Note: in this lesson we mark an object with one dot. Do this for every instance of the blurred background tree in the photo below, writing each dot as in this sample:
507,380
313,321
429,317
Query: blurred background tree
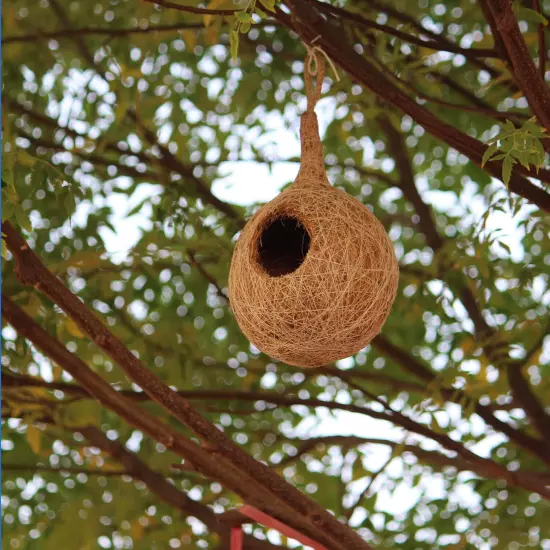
139,136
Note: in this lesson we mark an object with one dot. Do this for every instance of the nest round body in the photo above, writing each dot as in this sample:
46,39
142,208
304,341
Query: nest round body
313,276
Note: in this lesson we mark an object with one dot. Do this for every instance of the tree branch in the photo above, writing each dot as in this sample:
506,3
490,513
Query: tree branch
537,346
424,373
219,457
542,41
116,400
398,149
497,38
350,441
311,25
205,394
173,163
97,160
170,161
156,483
529,79
95,386
437,42
520,388
405,18
482,110
524,394
78,40
9,380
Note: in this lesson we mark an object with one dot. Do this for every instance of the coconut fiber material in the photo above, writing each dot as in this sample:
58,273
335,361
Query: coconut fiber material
313,275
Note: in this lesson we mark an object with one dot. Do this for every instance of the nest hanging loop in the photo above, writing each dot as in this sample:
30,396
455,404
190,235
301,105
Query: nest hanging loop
312,162
314,67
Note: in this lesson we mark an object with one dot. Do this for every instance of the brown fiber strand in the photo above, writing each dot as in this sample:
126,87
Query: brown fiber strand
338,299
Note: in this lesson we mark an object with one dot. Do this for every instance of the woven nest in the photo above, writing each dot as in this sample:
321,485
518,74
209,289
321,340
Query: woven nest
314,274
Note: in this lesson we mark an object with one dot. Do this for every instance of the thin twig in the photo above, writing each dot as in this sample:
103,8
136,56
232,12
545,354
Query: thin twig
38,468
206,275
174,164
436,43
79,41
487,111
365,492
116,32
192,9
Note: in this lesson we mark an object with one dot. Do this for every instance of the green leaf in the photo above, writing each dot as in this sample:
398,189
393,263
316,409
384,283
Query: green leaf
509,126
70,530
138,207
533,128
269,5
34,438
22,218
190,38
8,209
539,151
234,44
39,177
243,17
69,203
531,15
7,177
507,166
489,153
81,413
523,157
504,246
260,12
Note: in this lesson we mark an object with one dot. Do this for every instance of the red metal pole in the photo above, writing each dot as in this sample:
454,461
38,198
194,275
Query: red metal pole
236,538
267,521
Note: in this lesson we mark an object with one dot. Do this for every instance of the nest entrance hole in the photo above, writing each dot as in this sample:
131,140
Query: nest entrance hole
283,246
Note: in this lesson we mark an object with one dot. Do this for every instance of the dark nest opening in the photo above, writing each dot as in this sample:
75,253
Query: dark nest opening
283,246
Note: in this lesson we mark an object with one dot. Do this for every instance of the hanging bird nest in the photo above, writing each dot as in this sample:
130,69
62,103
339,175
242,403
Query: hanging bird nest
314,274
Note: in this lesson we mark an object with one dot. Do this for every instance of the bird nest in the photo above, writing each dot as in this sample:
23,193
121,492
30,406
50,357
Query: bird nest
313,275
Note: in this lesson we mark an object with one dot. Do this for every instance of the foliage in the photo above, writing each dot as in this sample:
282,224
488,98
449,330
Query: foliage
513,145
244,20
122,124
